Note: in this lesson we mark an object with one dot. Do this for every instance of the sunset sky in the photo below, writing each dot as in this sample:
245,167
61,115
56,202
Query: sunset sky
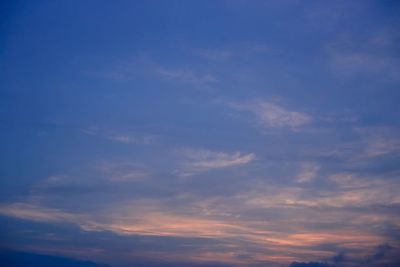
237,133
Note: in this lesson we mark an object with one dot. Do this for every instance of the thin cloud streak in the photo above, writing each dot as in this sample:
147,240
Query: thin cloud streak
215,55
187,76
203,160
272,115
120,137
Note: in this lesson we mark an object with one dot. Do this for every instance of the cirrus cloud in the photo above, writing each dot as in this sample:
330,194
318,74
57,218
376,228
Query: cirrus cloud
272,115
202,160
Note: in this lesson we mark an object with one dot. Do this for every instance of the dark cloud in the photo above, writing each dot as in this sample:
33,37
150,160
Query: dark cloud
309,264
27,259
380,252
339,258
384,255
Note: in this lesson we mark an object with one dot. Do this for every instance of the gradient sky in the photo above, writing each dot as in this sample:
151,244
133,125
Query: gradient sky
201,133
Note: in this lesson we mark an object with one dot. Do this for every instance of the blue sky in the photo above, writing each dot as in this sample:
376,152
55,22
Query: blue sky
201,133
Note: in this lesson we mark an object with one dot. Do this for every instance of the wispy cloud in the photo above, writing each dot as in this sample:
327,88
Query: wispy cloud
272,115
382,146
123,171
372,55
308,172
120,137
345,190
236,51
371,145
187,76
123,69
215,55
202,160
269,218
34,212
378,141
137,218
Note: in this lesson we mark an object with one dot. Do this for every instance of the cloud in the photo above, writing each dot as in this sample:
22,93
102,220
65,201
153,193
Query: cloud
21,259
371,145
127,138
134,218
237,51
374,55
166,224
187,76
308,171
274,222
258,48
272,115
380,253
377,142
381,146
203,160
345,190
123,171
339,258
264,240
215,55
124,69
309,264
34,212
143,65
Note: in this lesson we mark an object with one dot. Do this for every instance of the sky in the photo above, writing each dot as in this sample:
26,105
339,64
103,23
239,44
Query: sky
200,133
